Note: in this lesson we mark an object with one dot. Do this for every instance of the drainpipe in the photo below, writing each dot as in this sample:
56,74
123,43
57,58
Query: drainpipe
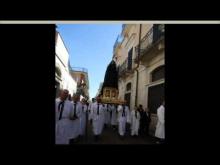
137,78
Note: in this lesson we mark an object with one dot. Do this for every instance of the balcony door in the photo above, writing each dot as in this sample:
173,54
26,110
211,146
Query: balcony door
155,97
130,59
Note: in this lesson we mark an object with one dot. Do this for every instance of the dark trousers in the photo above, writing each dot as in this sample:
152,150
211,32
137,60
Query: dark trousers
142,128
147,128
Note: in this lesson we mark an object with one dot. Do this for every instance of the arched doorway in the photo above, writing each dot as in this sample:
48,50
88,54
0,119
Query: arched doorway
156,92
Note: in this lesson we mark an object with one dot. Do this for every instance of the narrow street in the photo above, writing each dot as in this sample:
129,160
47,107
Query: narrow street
109,136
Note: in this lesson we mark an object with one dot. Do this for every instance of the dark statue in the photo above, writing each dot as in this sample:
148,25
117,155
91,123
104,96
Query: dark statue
111,76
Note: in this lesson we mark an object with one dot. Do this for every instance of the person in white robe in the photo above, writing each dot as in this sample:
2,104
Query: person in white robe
63,111
128,122
135,122
104,106
113,116
90,107
160,128
76,115
83,118
122,119
97,118
107,115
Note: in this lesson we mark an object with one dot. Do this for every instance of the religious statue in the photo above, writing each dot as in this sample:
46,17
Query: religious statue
109,92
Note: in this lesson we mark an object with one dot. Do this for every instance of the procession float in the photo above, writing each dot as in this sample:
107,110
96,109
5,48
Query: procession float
109,92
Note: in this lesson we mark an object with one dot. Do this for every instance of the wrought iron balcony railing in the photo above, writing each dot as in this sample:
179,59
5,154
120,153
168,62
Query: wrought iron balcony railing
125,68
149,40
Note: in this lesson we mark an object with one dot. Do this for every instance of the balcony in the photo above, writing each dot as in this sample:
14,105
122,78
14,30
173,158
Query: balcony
125,68
149,41
79,69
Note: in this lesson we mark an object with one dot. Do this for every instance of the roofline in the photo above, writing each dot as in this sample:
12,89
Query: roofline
58,34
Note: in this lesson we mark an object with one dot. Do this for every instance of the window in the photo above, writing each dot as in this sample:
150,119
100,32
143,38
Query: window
130,59
158,73
128,87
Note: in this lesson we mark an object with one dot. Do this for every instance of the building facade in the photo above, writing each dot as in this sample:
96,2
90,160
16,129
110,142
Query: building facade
80,75
139,52
63,78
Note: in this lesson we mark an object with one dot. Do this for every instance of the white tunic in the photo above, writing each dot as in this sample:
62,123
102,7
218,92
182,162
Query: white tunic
128,115
64,125
122,119
97,119
76,123
160,128
107,114
89,114
83,120
135,122
114,115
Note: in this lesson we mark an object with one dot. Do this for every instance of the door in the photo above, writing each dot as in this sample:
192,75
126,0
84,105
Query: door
127,98
155,97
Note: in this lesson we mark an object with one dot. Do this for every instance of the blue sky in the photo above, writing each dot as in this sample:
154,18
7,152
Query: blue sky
90,46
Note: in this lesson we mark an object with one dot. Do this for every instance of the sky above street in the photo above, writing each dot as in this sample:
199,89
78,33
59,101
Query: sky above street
90,46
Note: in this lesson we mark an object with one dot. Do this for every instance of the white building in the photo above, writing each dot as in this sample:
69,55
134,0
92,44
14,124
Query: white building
139,52
64,79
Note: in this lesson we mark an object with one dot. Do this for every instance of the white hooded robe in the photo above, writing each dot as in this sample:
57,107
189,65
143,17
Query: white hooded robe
114,115
160,128
83,119
122,119
135,122
64,125
97,119
107,114
76,129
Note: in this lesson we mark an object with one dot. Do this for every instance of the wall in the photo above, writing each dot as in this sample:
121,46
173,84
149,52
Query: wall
61,59
131,40
62,52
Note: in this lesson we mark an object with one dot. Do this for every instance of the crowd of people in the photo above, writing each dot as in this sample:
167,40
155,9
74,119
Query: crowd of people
71,119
